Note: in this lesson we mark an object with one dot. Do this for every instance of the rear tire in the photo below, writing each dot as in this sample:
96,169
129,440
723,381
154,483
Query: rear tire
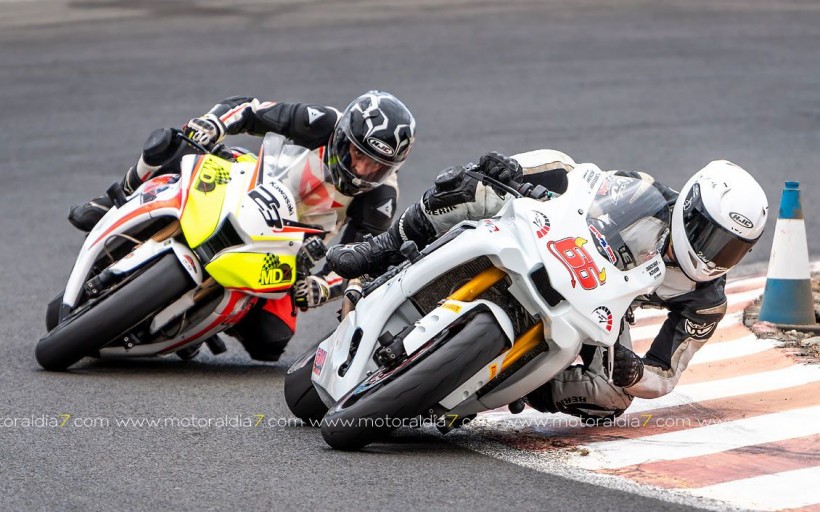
300,393
83,334
351,426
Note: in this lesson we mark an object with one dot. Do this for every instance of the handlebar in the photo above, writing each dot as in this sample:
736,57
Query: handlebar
513,187
220,150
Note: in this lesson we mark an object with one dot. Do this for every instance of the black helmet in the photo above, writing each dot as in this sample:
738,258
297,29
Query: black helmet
370,142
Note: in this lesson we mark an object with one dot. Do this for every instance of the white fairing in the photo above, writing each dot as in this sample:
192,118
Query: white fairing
525,236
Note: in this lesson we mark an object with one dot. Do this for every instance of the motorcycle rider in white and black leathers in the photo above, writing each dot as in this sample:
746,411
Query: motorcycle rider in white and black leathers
361,147
716,219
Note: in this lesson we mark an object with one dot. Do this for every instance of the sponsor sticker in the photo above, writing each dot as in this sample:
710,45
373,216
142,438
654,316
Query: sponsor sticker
741,219
542,224
211,173
455,308
591,176
699,331
654,270
489,225
274,272
604,188
493,370
610,254
319,361
380,146
603,316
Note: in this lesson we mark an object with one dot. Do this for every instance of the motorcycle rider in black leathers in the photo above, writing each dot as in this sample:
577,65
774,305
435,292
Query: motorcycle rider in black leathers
706,242
362,148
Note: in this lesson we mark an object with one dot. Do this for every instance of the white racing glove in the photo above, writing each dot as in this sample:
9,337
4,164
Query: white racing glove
207,130
311,292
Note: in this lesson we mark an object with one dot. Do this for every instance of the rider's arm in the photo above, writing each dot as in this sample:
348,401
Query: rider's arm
668,193
368,214
454,198
307,125
692,320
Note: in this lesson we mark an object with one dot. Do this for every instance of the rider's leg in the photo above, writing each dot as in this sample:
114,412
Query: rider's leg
584,390
266,329
160,154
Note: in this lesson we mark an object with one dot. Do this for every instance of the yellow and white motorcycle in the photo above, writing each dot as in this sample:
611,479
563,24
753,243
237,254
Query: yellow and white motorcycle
186,256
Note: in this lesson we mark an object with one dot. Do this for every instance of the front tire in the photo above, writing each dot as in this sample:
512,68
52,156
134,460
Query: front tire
300,393
353,422
85,332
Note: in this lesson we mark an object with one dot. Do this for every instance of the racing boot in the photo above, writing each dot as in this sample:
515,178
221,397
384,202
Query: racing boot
266,329
86,215
160,149
372,256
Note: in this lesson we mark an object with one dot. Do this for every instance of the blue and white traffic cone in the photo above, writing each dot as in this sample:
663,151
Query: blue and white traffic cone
787,299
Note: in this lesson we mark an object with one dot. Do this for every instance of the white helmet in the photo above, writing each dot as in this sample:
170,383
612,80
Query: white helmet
718,217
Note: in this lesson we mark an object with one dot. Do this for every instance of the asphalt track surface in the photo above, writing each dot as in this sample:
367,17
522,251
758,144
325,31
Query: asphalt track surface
657,86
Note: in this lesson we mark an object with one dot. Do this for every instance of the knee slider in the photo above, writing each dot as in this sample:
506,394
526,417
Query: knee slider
160,146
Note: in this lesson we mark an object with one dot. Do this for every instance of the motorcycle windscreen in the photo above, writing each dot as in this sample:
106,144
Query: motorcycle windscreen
629,221
306,177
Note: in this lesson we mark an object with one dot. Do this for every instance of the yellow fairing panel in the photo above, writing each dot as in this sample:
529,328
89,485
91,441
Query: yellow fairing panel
253,272
203,209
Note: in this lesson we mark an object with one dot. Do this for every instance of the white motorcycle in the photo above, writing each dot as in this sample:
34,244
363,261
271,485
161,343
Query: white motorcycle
489,312
186,256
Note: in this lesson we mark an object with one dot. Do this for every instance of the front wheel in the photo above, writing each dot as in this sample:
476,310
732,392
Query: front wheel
300,393
378,404
97,323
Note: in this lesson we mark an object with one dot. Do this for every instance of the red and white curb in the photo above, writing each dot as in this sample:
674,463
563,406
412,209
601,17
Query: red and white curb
742,428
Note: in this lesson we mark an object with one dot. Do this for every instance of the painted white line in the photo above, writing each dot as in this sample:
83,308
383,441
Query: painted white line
736,349
685,394
792,376
554,463
734,284
682,444
789,489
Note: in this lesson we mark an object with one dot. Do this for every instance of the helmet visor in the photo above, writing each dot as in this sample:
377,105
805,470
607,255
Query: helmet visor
716,246
365,170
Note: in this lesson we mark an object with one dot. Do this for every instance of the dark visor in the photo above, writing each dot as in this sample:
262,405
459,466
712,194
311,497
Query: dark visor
371,169
716,246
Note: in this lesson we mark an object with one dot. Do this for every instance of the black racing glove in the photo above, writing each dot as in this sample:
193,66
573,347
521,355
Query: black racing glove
501,168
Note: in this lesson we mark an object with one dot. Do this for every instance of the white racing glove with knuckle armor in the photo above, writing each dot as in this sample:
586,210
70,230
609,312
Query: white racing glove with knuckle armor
207,130
311,292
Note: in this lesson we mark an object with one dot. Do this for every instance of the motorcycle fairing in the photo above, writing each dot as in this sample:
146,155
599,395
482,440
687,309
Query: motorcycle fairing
203,208
516,240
